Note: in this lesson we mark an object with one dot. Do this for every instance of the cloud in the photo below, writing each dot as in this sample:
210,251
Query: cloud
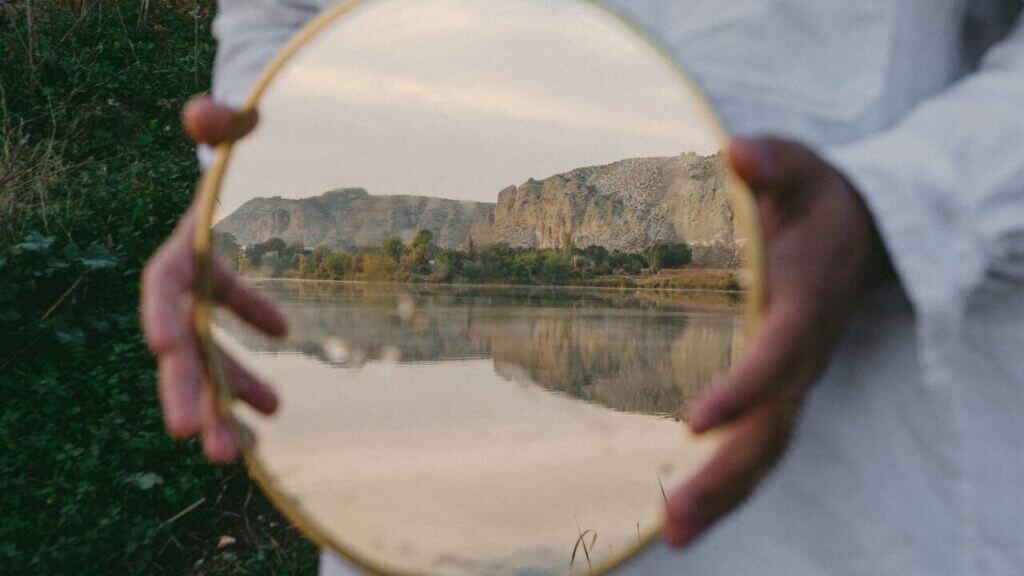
355,85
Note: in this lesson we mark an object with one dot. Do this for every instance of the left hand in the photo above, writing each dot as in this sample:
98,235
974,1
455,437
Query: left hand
166,306
821,250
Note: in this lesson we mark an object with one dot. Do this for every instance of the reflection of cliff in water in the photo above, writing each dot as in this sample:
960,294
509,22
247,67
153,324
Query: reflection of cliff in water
646,352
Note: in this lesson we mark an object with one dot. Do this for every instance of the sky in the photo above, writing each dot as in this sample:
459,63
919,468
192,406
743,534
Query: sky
461,98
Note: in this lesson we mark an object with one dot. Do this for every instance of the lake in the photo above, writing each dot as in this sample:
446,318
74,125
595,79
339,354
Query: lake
480,429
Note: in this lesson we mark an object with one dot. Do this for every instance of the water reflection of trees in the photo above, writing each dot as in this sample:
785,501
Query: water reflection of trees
646,352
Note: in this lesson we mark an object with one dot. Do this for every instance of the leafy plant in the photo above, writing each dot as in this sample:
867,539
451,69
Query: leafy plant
94,173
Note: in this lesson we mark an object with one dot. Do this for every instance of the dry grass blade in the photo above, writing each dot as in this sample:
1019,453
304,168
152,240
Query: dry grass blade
581,541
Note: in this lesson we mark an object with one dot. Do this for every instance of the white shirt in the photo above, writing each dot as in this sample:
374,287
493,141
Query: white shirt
908,457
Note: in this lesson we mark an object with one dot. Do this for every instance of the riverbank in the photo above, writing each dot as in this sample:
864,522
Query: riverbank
684,279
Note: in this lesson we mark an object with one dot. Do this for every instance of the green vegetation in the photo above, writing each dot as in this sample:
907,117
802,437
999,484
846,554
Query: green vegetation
423,261
94,172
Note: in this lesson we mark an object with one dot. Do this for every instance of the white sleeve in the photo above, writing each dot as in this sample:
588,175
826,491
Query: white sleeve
946,185
249,34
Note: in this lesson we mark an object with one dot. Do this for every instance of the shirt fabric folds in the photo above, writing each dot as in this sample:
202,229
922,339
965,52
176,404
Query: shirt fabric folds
907,457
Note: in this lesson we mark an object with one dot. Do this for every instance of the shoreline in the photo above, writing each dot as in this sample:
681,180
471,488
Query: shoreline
496,285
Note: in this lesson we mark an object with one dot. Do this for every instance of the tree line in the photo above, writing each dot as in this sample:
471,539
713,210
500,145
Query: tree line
422,260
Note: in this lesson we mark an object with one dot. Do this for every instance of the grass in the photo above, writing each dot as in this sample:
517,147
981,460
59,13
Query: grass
94,172
581,544
92,484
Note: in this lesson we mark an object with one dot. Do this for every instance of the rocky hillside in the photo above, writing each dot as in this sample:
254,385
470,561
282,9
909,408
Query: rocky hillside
352,218
626,205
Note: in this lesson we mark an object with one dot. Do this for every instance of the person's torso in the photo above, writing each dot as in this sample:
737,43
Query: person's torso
889,473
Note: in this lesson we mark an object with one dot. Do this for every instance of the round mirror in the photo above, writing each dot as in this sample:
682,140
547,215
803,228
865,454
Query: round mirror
509,252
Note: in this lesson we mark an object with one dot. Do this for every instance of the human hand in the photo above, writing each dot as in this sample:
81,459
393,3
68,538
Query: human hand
168,296
821,250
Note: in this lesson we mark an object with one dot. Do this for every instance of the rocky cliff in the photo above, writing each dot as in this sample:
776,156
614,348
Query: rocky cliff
626,205
352,218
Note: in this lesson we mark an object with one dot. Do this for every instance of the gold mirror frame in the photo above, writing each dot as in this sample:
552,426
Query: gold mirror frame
744,209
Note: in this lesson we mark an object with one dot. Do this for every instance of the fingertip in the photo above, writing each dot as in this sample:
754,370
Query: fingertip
248,387
194,118
265,313
219,444
672,535
701,420
253,307
180,424
276,322
207,122
682,520
262,398
705,413
272,403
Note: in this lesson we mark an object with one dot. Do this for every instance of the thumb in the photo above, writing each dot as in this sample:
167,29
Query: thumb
208,122
772,165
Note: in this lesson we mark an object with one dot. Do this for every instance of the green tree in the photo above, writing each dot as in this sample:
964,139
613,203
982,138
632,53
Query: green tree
256,251
667,256
275,245
376,266
449,263
675,255
653,255
422,239
336,266
596,253
626,263
421,250
556,269
392,248
496,260
309,264
568,246
294,249
227,247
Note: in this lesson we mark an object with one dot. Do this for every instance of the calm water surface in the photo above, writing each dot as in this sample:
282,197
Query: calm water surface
482,430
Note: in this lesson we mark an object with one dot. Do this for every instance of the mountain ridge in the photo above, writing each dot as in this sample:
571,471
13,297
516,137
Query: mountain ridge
624,205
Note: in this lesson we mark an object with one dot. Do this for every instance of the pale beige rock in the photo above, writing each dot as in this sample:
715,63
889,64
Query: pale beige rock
627,205
352,218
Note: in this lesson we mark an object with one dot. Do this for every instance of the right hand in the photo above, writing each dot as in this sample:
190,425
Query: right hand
168,296
822,252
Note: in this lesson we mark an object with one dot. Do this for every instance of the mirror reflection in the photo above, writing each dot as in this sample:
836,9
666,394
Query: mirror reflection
501,234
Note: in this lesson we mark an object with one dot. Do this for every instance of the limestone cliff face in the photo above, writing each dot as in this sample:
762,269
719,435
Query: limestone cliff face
626,205
352,218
